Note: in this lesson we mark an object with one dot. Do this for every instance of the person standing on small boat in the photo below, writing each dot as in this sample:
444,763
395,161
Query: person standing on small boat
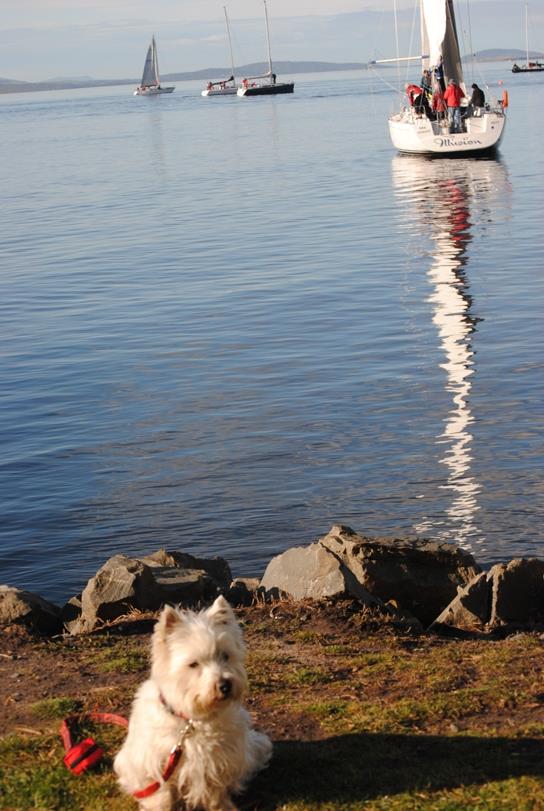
438,104
427,83
439,75
452,97
418,100
478,97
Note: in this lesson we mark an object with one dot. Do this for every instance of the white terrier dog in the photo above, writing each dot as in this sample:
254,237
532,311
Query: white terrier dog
190,742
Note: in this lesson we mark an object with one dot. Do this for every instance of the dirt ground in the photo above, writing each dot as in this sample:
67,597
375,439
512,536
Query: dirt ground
296,652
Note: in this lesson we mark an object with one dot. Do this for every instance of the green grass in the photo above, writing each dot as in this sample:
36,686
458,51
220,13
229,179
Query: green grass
50,708
33,776
307,676
386,724
134,661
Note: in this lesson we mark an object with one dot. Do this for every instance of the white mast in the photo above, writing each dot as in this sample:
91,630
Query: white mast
268,38
527,31
155,60
230,44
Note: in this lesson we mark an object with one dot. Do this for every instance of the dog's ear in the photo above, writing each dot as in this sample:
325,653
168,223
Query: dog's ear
221,612
168,621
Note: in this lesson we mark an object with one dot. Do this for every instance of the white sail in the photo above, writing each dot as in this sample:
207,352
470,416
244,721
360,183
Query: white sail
434,17
150,76
439,33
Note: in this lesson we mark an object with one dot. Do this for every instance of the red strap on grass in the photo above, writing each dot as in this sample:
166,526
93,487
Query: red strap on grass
82,756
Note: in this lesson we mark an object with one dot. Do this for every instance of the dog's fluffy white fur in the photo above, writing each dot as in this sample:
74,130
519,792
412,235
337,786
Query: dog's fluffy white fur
197,672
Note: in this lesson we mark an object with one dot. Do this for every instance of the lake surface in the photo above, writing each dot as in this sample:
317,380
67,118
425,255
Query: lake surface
227,324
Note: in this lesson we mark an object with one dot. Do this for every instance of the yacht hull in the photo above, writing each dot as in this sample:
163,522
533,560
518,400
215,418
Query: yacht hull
418,135
153,91
226,91
267,89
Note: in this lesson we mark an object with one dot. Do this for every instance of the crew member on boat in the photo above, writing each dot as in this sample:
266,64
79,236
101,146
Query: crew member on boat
427,83
452,97
478,97
439,75
418,100
439,106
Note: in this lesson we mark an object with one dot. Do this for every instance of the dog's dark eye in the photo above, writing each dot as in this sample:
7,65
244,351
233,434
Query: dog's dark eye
225,656
193,664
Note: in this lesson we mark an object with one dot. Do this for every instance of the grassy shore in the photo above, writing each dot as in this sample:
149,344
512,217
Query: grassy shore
363,714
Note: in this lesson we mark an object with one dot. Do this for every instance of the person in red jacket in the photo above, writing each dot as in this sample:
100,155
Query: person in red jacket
418,99
452,97
438,104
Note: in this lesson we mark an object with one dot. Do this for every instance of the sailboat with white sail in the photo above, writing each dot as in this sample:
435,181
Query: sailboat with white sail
224,87
151,80
265,85
417,129
529,66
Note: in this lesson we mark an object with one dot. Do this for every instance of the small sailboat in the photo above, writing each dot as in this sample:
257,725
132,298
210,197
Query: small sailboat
151,80
528,67
265,85
224,87
418,129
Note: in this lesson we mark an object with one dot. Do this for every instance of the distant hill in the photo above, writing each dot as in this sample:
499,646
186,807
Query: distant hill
258,68
499,54
71,79
283,69
254,69
11,82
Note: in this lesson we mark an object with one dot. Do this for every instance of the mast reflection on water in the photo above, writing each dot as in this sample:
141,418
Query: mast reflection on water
446,198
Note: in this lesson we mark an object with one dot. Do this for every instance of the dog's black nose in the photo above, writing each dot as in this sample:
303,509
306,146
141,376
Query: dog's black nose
225,687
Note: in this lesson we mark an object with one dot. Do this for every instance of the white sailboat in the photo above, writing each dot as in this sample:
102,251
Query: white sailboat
412,129
528,67
224,87
265,85
151,80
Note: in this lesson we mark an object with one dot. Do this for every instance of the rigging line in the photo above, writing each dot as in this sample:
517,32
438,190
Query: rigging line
385,82
412,37
471,46
397,37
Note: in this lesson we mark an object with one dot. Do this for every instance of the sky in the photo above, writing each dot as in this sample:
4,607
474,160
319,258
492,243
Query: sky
107,39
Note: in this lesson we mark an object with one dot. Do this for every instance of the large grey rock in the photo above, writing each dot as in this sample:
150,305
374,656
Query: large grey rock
123,584
508,594
419,575
217,568
517,592
180,586
243,591
470,610
312,572
24,607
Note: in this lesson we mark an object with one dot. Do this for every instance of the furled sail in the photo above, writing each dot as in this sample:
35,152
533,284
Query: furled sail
439,24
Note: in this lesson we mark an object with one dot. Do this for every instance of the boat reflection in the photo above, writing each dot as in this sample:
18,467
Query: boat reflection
446,201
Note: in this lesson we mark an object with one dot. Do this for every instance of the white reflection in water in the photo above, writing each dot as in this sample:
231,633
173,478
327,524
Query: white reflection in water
448,196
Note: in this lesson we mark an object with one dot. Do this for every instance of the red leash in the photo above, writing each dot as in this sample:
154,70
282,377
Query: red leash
82,756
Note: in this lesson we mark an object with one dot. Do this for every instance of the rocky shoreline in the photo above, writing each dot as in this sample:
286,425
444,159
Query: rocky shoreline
419,584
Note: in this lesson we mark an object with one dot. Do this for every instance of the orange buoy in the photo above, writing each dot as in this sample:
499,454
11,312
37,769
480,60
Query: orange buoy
505,98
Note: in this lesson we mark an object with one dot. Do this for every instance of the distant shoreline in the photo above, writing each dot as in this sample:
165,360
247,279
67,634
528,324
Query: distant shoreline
282,68
254,69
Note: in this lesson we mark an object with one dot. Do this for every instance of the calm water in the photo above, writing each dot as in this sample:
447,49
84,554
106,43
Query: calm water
228,323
